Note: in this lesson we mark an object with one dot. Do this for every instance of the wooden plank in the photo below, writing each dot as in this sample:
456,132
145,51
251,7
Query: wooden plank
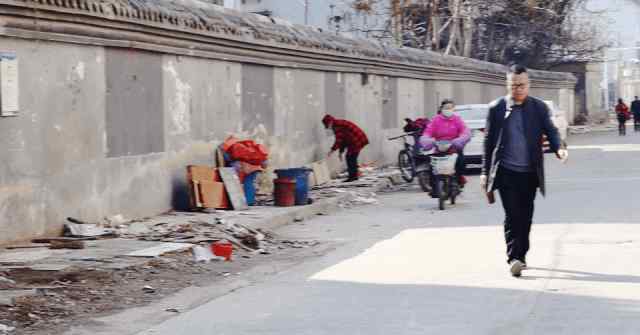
28,246
196,202
161,249
212,195
200,173
234,188
49,239
219,158
321,172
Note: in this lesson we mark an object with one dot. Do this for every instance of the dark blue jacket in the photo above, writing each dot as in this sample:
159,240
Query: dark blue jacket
537,122
635,108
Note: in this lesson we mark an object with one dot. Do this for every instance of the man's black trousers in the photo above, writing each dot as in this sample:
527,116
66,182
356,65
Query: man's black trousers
518,193
352,164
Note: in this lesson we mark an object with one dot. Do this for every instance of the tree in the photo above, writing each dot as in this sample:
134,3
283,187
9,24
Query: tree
535,33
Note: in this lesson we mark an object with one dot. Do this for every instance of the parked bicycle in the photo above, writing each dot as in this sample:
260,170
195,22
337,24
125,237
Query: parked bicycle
413,163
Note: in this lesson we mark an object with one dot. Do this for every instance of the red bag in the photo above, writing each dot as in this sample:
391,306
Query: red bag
249,152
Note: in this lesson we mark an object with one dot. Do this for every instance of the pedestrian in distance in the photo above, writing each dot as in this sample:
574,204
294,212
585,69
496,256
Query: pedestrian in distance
635,110
622,114
513,160
349,137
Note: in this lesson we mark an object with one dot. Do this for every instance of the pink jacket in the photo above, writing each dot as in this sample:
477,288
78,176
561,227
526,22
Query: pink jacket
446,129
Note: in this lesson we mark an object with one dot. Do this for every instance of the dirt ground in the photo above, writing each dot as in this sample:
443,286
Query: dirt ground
64,298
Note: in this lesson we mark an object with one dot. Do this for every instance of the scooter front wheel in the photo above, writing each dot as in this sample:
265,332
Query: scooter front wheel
454,190
442,196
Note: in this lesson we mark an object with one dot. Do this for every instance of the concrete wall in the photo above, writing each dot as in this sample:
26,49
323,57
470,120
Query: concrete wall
104,130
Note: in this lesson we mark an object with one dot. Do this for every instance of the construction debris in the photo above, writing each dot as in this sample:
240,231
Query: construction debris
44,288
87,230
28,246
49,239
67,245
159,250
148,289
6,281
4,329
9,297
23,256
204,255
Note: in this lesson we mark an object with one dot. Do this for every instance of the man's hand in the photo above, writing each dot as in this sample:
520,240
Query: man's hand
563,155
330,153
483,182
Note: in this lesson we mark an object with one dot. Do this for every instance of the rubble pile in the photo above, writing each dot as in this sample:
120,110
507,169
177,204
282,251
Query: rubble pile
97,267
204,232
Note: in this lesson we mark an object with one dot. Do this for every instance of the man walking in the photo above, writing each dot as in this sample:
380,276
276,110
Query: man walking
635,110
513,160
350,137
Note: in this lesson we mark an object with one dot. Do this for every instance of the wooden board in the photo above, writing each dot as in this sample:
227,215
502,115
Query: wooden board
212,195
161,249
321,172
219,158
234,189
200,172
197,174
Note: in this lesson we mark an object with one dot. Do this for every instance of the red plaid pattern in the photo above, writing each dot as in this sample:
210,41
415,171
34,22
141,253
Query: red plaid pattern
348,136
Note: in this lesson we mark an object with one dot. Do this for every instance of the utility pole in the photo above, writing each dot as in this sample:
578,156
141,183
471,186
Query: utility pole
306,12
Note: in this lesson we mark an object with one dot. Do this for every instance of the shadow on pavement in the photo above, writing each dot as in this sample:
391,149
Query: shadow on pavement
582,276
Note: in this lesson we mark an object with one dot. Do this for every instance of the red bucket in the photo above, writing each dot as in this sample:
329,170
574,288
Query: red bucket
222,249
284,192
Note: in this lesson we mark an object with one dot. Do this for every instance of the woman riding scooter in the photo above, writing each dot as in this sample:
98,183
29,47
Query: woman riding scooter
447,126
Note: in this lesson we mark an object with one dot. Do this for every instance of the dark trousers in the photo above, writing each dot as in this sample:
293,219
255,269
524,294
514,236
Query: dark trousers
622,129
518,192
460,166
636,123
352,164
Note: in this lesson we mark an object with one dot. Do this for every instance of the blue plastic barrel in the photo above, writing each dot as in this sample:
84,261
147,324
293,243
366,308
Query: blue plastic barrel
250,188
301,177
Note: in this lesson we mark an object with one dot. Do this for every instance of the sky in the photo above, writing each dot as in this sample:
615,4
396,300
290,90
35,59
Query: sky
623,15
623,19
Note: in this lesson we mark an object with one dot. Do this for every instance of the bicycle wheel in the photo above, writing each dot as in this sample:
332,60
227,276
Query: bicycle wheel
424,179
406,165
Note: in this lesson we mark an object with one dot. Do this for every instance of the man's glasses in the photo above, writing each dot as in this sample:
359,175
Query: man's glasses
519,86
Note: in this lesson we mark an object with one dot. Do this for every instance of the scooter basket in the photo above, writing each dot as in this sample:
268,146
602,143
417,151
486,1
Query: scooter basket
444,165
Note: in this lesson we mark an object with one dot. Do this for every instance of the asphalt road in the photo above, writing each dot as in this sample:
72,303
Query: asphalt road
403,267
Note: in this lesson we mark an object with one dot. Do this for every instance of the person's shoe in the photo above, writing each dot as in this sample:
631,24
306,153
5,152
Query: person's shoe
350,179
516,267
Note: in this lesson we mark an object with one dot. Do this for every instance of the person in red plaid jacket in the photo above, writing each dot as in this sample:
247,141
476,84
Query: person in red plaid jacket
350,137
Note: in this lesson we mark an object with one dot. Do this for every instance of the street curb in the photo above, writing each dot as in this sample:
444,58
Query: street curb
319,207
